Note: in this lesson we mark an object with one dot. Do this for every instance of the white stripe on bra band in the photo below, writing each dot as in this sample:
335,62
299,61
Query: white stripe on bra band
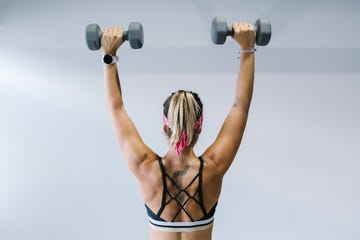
181,226
181,229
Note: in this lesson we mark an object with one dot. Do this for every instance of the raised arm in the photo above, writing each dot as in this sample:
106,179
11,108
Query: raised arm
224,149
130,143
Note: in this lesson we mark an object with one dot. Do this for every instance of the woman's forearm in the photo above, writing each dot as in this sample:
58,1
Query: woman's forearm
245,81
112,85
111,40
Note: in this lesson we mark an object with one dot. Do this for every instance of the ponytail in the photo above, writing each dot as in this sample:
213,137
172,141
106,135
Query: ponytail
183,117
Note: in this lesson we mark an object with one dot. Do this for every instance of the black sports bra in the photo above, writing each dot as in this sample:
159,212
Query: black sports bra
158,223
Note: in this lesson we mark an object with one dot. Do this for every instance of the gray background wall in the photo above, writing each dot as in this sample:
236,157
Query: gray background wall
296,175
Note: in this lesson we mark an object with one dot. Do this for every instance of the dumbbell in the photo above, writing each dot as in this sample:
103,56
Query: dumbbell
220,30
135,36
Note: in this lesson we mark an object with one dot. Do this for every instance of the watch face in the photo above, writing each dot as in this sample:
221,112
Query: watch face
108,59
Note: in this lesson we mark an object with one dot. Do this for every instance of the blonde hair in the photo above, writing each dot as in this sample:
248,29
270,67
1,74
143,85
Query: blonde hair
183,109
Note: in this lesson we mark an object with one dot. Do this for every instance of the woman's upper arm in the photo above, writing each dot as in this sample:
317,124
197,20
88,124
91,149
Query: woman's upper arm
131,145
227,143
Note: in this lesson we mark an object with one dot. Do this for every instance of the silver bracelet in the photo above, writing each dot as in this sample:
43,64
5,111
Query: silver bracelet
246,51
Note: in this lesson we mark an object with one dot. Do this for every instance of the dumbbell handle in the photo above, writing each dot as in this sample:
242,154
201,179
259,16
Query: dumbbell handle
125,35
230,31
258,38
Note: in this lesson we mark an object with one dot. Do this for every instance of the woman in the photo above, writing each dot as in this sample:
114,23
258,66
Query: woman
181,190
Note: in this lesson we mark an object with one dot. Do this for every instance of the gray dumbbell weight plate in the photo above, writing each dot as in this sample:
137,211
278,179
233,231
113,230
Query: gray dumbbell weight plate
263,27
93,35
219,30
135,35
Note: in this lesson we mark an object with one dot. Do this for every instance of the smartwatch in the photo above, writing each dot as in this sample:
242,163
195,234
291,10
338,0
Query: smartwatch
110,59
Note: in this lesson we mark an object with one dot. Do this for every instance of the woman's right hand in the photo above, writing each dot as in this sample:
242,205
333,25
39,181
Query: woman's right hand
111,40
244,34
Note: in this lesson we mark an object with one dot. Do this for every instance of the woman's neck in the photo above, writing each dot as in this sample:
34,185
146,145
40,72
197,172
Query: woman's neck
187,153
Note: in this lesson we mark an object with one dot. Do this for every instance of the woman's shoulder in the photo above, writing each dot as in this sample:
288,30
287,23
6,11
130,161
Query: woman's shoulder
211,167
148,167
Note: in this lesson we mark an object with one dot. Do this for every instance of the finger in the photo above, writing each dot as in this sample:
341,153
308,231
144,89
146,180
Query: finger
116,32
107,32
252,27
235,27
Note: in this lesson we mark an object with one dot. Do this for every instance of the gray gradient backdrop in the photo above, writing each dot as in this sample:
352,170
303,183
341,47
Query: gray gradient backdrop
296,175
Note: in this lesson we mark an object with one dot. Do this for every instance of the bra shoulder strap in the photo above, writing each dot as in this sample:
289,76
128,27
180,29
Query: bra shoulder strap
201,199
163,173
